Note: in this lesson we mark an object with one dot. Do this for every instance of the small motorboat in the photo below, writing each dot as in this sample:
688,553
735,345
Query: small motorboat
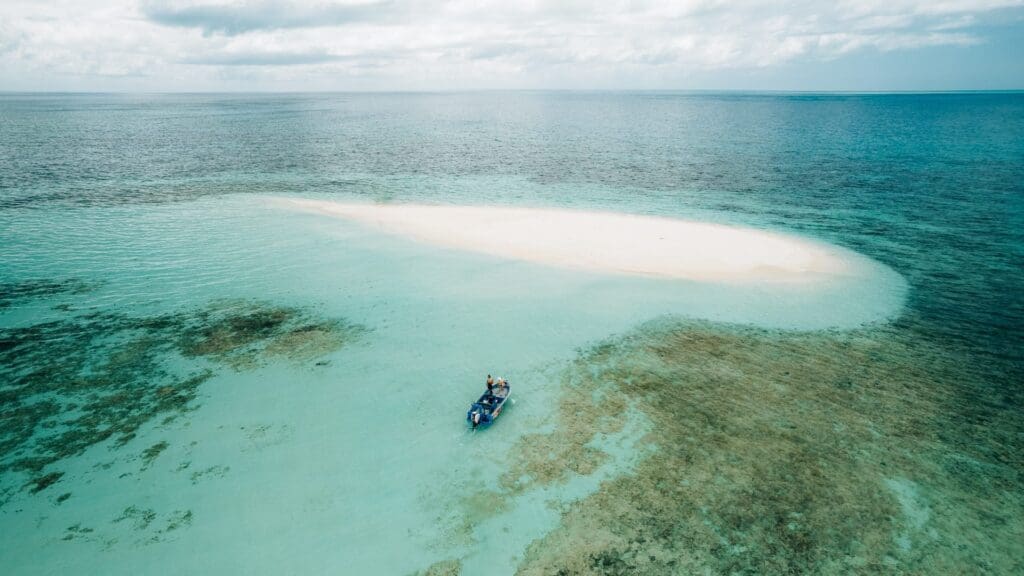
487,409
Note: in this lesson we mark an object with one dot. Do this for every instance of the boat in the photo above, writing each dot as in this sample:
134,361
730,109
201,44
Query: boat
486,410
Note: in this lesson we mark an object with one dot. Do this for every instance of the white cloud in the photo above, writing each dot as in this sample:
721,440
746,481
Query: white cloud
242,17
459,43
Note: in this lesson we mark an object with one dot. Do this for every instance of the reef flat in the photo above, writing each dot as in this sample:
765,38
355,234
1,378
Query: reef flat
69,384
873,450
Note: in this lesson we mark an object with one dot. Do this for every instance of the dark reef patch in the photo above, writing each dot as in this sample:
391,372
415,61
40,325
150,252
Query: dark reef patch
151,527
241,335
45,481
70,384
178,519
76,531
217,471
150,454
449,567
15,292
870,451
139,518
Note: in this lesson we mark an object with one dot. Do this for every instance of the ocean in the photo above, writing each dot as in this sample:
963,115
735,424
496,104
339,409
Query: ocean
194,379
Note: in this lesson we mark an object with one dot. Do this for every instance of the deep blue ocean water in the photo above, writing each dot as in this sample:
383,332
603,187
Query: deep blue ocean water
140,205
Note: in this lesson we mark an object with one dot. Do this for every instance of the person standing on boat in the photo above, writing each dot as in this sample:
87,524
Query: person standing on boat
490,384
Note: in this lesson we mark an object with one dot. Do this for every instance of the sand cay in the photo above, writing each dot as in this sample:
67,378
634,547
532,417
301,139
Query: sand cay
606,242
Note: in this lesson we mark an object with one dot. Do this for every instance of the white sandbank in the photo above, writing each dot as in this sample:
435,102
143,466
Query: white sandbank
606,242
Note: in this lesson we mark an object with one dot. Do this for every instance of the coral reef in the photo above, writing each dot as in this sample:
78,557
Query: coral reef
150,454
784,453
217,471
151,527
43,482
17,292
239,334
442,568
310,341
76,531
140,518
70,384
178,519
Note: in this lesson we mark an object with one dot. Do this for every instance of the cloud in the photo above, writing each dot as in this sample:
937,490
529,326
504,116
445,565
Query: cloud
263,59
240,17
9,39
469,43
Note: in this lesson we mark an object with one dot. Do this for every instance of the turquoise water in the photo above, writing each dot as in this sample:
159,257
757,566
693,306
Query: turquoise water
323,430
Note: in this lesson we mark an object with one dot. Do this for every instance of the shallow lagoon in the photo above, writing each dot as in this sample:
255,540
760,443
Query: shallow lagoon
304,383
305,379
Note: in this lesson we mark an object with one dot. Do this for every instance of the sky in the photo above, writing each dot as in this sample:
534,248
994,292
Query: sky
292,45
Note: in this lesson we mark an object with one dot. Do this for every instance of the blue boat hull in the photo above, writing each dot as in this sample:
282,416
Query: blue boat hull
488,407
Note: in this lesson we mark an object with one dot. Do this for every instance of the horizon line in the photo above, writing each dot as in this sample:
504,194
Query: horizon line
526,90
